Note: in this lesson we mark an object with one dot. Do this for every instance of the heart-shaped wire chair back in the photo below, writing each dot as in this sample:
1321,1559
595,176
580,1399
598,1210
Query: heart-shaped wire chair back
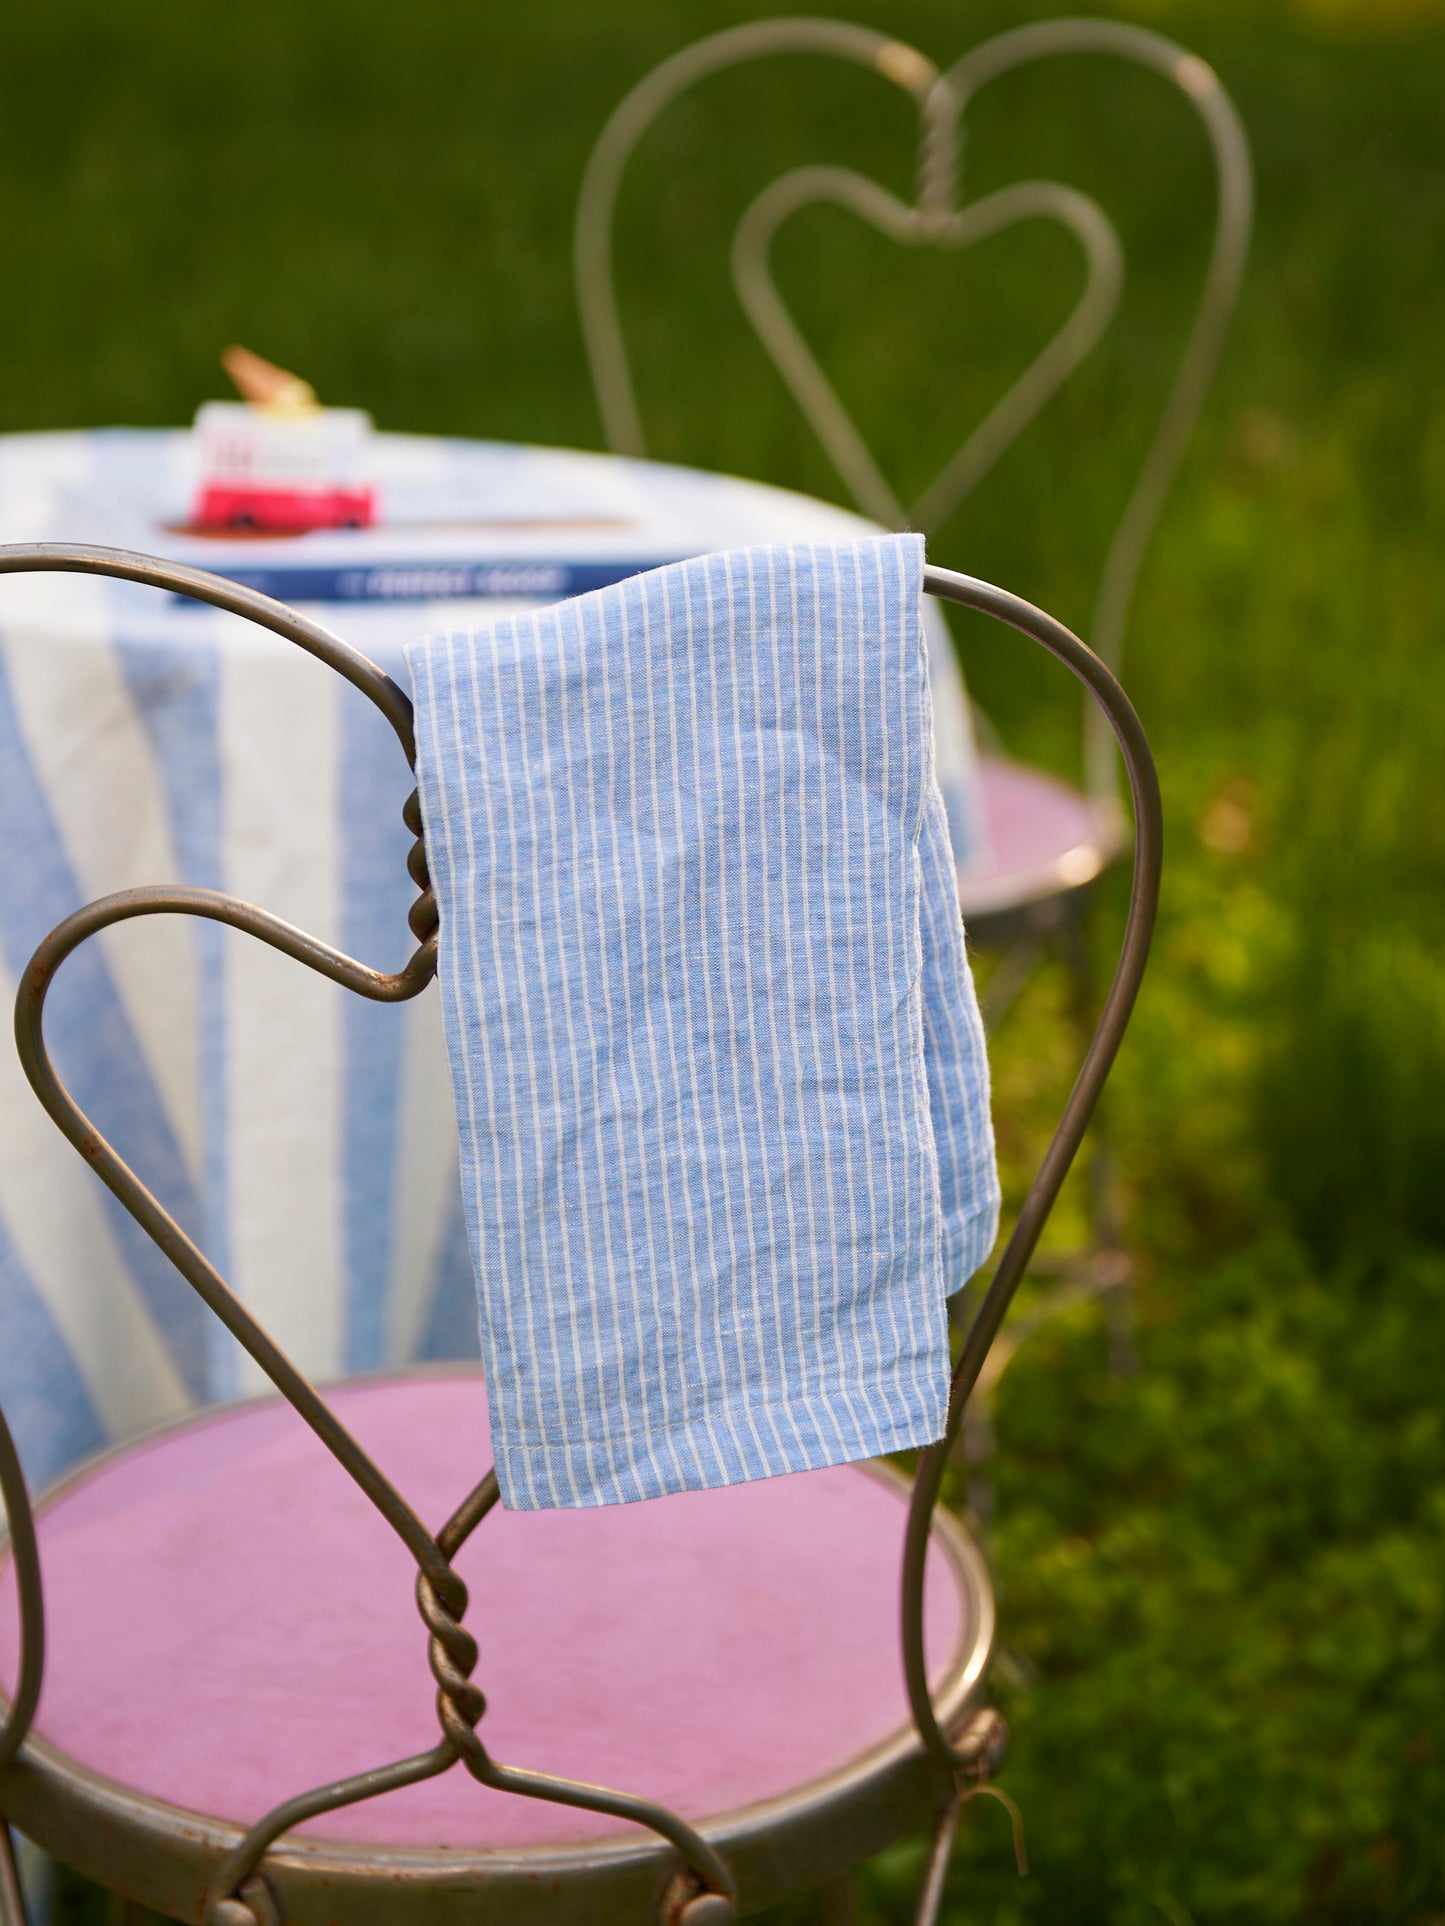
935,217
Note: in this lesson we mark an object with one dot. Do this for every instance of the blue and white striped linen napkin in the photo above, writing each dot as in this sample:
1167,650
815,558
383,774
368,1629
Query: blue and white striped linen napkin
718,1065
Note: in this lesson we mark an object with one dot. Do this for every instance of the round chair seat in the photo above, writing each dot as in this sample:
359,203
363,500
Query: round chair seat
1043,839
230,1623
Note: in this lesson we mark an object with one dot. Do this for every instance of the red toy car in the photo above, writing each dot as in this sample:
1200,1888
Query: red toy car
282,474
283,511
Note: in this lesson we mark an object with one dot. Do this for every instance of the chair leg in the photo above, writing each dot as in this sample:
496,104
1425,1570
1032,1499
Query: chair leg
1103,1268
1011,973
836,1902
1107,1265
120,1911
12,1899
977,1453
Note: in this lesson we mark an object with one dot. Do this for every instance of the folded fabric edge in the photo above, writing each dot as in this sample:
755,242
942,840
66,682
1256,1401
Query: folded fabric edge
757,1441
966,1245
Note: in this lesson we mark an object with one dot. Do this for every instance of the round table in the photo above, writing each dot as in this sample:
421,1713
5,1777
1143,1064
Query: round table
304,1138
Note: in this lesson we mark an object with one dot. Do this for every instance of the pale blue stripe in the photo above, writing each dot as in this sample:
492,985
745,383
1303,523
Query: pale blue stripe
958,1079
45,1400
451,1325
175,688
95,1049
376,892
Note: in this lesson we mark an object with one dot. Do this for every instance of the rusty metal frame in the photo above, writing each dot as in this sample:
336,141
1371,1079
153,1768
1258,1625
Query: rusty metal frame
1143,781
703,1889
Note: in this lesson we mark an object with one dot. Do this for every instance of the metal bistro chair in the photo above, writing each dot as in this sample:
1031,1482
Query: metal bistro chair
1047,841
224,1597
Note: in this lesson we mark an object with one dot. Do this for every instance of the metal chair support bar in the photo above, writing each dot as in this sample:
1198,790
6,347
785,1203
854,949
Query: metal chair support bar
1103,686
12,1899
25,1556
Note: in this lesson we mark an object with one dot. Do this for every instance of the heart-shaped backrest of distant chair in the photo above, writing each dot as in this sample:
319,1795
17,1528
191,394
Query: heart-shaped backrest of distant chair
914,226
937,219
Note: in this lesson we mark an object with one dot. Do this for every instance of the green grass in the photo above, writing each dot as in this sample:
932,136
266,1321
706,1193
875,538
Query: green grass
1221,1578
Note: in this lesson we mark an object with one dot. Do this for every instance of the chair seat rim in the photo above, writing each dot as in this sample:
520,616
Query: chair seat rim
1060,876
92,1822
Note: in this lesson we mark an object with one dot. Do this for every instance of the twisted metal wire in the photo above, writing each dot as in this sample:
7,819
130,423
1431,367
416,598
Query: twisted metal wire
240,1895
940,151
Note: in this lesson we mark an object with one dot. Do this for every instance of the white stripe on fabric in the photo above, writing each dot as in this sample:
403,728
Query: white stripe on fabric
557,1264
671,792
426,1179
684,1308
849,704
460,933
278,737
780,1395
692,1024
693,656
609,648
96,764
955,751
805,867
957,1068
54,1211
567,642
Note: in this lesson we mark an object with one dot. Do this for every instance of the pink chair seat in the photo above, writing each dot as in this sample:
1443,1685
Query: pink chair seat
230,1623
1043,838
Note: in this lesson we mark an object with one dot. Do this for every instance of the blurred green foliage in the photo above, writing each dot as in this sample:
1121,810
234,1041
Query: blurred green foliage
1220,1578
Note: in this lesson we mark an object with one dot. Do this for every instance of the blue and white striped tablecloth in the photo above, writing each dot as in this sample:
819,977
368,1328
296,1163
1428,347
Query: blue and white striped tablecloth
306,1139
